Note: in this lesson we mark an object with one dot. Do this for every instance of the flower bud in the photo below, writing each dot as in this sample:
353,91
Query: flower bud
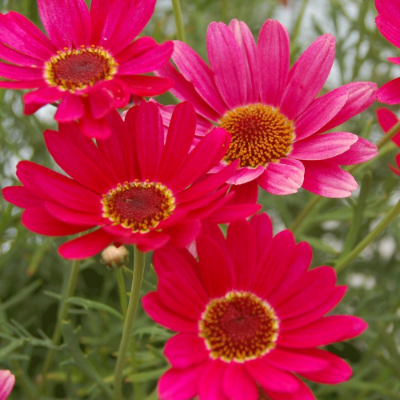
114,257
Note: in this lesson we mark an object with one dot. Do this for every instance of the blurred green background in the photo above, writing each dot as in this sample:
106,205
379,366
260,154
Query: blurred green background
31,272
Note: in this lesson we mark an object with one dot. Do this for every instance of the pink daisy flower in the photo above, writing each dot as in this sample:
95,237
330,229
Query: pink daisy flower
137,186
387,119
388,22
271,110
250,316
89,62
7,381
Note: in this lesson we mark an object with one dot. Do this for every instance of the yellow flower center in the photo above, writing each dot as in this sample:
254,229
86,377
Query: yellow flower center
139,206
260,135
239,327
78,68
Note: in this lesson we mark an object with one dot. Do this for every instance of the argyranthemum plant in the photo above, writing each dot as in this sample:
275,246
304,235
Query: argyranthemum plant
136,186
89,61
271,110
250,315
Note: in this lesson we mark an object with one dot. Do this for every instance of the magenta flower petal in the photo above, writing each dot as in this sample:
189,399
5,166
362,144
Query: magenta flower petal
273,62
285,177
389,92
216,272
238,384
360,96
42,97
281,248
146,85
245,40
88,166
39,220
243,257
320,112
246,175
304,319
21,196
7,381
302,393
254,333
228,64
288,360
20,34
336,371
386,118
321,147
195,70
147,61
309,73
149,147
326,330
327,179
388,26
64,28
86,246
155,307
185,350
271,378
210,385
178,384
125,22
16,72
359,152
71,107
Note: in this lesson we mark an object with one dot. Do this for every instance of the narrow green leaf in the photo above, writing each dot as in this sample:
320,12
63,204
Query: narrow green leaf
95,305
81,362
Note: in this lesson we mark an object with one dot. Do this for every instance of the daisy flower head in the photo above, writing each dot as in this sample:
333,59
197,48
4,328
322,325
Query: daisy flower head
250,316
89,61
387,120
387,22
138,186
7,382
271,110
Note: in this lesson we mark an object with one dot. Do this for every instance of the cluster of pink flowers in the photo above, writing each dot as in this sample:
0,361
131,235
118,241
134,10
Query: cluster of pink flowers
250,314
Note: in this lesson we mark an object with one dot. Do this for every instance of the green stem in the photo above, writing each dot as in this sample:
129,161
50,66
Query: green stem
122,290
124,308
180,33
62,314
341,264
315,200
307,209
296,30
138,270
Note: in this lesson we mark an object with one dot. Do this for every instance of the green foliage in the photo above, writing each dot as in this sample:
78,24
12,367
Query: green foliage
30,268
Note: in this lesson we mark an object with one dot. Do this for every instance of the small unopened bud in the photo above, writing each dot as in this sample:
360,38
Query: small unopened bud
114,257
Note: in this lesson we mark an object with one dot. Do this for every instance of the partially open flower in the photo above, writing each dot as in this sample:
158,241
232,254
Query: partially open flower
276,121
249,314
89,61
7,381
139,186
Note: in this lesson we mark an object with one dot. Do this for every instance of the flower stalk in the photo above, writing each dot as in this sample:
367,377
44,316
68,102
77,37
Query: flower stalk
138,270
390,216
62,315
180,32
